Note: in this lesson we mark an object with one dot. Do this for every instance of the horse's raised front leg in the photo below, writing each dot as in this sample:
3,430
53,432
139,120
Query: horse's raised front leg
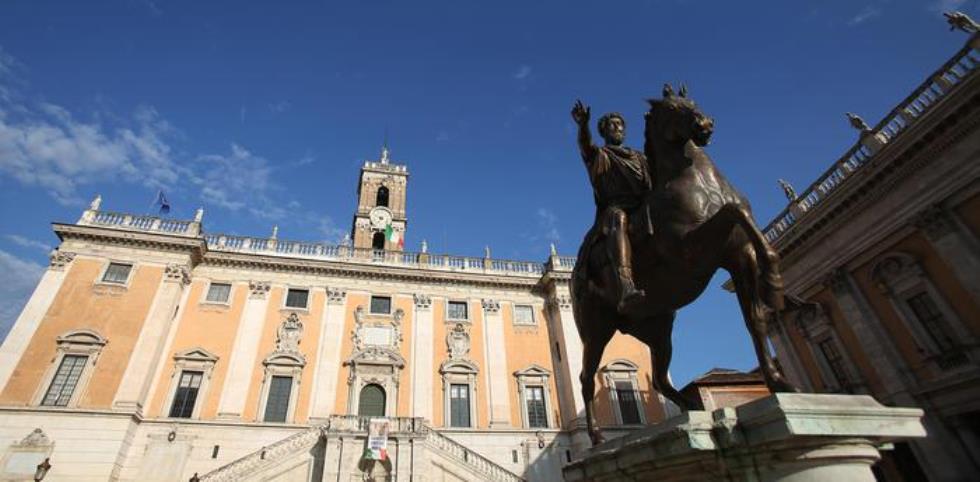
744,274
717,230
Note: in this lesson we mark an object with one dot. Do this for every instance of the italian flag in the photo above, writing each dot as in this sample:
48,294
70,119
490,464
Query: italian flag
394,237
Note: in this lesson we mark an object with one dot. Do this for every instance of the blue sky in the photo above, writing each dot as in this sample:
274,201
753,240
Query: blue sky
262,113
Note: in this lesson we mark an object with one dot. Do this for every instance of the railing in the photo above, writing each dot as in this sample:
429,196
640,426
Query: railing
244,466
142,223
475,461
922,99
442,262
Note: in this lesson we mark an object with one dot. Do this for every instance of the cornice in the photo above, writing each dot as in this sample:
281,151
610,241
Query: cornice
366,271
196,247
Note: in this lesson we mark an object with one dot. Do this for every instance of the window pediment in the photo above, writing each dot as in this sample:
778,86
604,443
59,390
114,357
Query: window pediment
285,359
196,354
620,365
533,370
376,356
465,367
82,337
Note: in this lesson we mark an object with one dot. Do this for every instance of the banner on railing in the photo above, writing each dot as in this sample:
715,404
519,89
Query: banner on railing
377,443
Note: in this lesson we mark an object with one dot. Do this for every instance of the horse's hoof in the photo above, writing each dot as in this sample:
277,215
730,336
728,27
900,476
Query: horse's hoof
597,438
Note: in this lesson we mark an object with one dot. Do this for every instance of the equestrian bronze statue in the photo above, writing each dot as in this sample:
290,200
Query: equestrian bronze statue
666,220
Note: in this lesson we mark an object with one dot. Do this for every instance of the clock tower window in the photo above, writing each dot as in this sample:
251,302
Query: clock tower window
382,198
378,241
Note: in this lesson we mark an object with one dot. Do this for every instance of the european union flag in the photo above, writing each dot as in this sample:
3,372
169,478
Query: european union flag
162,202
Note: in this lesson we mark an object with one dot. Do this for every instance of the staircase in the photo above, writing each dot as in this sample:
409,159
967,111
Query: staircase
353,430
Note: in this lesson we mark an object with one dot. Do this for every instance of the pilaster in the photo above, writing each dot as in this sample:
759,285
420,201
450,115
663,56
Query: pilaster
422,359
499,394
327,364
136,381
32,314
244,352
957,249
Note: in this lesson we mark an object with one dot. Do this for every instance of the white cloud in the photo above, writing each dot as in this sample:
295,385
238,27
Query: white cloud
27,243
523,72
864,15
21,278
279,107
548,223
442,136
45,145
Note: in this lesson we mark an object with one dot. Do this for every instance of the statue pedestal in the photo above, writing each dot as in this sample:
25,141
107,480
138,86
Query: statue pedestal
788,437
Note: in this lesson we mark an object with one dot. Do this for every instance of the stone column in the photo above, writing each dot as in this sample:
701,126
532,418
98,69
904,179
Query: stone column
327,366
787,356
30,317
244,351
422,359
137,378
497,376
958,250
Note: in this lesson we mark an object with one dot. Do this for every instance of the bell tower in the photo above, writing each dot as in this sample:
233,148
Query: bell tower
379,221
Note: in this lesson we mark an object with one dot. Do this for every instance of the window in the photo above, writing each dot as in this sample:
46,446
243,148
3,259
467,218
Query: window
381,305
186,396
64,381
378,241
457,310
537,417
117,273
835,361
459,405
277,405
628,408
297,298
382,198
931,319
218,293
523,315
371,403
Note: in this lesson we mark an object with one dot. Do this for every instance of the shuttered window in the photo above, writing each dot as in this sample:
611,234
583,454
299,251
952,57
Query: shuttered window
536,415
836,362
186,395
277,405
65,380
219,292
628,406
297,298
459,405
372,401
381,305
117,273
931,320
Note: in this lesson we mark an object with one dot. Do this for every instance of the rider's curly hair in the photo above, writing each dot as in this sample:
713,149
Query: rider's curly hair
604,120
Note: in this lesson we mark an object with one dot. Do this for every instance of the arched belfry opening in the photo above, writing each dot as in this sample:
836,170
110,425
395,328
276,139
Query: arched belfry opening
371,403
378,241
381,199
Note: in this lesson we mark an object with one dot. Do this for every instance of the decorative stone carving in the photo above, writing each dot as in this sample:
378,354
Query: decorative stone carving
258,290
563,302
935,222
37,438
60,259
335,296
491,306
422,302
370,334
177,273
837,281
458,341
289,334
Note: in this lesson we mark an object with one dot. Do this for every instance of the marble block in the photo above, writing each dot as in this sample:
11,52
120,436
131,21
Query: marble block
787,437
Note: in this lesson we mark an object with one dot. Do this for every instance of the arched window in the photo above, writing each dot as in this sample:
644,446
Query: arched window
382,197
378,241
372,401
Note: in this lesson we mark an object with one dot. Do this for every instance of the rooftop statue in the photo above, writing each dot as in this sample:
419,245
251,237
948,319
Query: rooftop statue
961,21
681,220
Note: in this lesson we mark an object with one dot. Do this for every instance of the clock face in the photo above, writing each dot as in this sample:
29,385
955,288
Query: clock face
380,218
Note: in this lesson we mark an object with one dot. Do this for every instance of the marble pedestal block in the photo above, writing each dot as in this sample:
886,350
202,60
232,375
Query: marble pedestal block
788,437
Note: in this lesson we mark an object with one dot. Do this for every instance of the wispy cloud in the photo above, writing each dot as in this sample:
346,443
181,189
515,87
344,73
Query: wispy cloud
280,107
442,136
548,225
522,72
21,277
27,243
864,15
241,114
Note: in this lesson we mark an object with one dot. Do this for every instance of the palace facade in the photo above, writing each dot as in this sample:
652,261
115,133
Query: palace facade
882,259
155,350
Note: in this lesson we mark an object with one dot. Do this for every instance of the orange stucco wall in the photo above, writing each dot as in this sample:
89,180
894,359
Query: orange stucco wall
118,317
528,346
629,348
207,326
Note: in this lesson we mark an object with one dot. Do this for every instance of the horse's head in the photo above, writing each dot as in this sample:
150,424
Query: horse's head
676,119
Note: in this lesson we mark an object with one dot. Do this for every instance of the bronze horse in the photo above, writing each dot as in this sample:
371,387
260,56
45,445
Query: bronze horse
700,223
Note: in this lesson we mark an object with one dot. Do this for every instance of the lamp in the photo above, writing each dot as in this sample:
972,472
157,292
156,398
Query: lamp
194,478
42,470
